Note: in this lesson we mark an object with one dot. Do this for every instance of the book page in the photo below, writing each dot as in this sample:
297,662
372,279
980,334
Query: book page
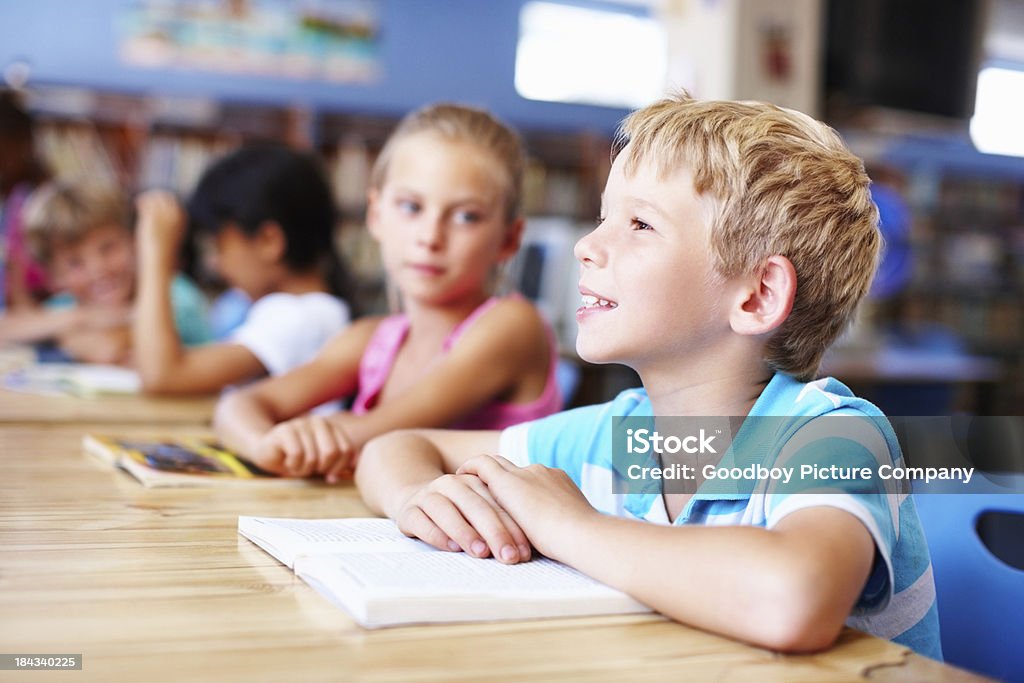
54,379
102,448
89,378
453,574
35,379
287,539
356,531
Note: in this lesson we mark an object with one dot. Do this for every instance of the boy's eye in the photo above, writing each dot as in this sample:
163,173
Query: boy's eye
465,217
599,220
640,225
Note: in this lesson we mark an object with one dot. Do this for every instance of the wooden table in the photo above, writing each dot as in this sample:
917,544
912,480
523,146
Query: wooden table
33,408
155,585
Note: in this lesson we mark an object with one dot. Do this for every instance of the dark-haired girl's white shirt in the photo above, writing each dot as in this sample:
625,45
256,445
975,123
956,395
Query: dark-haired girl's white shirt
284,331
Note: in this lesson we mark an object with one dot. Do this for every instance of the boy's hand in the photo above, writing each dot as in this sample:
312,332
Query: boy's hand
103,317
305,446
456,512
543,501
108,346
161,226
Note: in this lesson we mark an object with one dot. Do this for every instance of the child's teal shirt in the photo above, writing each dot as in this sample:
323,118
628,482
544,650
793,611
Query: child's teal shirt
188,305
898,600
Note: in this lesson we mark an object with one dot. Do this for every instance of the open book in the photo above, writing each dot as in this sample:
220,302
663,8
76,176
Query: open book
382,578
75,379
179,462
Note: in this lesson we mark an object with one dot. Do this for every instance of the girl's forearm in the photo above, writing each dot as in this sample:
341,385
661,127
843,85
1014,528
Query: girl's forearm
240,421
157,347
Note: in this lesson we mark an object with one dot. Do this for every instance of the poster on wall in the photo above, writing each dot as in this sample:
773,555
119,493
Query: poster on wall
329,40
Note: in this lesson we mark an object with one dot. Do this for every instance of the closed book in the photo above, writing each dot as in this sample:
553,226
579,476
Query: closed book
180,462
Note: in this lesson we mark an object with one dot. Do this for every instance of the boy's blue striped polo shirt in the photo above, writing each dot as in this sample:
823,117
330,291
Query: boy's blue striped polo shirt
898,600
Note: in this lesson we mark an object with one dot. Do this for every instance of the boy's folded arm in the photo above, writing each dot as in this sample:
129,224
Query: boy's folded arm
789,588
393,466
109,346
38,324
408,476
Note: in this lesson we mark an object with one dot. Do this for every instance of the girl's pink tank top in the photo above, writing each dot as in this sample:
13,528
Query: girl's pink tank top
379,358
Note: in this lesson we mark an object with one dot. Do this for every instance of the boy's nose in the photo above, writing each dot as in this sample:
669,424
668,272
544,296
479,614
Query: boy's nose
105,266
96,267
589,250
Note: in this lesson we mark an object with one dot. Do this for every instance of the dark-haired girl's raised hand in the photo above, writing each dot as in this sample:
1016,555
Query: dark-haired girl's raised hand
160,228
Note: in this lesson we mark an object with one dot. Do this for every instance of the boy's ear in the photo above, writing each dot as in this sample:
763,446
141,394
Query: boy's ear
513,239
271,242
766,299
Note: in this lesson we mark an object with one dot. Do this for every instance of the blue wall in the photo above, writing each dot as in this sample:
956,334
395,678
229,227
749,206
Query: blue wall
460,50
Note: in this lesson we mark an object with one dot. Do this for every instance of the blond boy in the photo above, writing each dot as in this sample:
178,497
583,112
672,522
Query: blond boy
82,235
736,240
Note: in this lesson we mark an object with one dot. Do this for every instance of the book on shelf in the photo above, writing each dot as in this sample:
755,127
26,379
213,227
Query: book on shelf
177,161
180,462
74,379
78,152
383,578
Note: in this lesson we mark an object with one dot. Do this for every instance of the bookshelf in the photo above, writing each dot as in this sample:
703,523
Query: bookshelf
566,174
141,140
968,276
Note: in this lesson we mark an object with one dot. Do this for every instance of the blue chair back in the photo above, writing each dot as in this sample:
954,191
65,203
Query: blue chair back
980,597
567,374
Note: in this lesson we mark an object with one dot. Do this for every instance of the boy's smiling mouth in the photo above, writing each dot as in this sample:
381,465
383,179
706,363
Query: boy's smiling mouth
592,301
109,290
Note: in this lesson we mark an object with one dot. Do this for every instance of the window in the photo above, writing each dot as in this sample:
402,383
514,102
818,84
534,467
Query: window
998,111
607,57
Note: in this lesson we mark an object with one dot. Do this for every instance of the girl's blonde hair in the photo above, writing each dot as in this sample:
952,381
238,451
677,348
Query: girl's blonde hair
61,213
461,123
778,182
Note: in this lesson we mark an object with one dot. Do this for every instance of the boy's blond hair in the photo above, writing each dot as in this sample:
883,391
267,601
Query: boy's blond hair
61,213
465,124
779,182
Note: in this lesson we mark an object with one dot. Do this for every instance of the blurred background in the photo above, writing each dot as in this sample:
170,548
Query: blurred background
930,93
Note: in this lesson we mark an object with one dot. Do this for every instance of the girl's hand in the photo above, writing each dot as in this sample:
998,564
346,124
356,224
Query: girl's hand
305,446
456,512
543,501
161,226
